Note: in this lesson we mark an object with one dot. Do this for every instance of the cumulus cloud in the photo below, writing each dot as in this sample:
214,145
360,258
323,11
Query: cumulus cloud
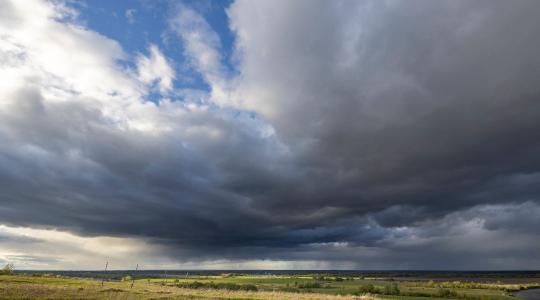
368,134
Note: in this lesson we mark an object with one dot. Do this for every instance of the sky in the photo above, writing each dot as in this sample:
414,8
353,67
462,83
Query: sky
304,134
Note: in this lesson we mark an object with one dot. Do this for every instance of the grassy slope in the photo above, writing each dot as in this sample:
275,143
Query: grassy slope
27,287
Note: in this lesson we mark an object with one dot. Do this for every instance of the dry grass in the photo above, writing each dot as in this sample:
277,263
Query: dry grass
25,287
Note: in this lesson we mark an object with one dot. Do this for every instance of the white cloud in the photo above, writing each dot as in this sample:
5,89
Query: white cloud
155,69
130,15
62,54
202,48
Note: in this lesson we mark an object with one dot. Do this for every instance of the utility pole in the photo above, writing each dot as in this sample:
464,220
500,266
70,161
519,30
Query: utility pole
133,279
103,279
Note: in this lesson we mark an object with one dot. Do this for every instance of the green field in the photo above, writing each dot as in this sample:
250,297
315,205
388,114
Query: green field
383,288
238,286
32,287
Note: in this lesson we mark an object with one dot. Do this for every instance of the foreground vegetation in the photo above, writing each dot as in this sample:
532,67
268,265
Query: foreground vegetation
32,287
243,286
380,287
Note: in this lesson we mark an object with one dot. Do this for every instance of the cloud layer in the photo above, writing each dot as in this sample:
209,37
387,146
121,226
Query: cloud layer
367,134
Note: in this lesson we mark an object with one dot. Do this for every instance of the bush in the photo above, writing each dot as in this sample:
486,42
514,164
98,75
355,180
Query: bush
309,285
192,285
367,289
290,290
445,293
249,287
218,286
391,289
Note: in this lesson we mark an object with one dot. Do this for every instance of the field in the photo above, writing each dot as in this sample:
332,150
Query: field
258,286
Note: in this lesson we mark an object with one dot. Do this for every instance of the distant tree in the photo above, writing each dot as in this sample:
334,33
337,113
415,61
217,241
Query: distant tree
7,269
320,278
309,285
445,293
367,288
391,289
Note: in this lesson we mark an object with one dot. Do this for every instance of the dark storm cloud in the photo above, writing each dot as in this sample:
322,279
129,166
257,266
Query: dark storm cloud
405,133
87,175
436,108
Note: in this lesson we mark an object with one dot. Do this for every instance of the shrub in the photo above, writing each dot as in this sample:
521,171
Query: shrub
367,289
445,293
218,286
309,285
249,287
391,289
290,290
193,285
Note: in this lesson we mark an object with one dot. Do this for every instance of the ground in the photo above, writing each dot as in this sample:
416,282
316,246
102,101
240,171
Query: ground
227,286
